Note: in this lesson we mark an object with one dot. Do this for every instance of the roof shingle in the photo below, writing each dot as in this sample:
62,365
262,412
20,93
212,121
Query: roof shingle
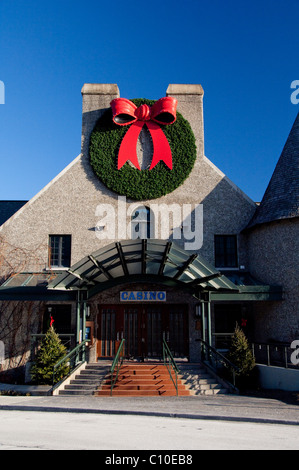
281,198
8,208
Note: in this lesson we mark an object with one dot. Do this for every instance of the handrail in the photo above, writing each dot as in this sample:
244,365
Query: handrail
74,353
210,353
115,364
276,354
167,355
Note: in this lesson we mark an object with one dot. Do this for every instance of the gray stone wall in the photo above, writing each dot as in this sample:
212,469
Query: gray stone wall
274,259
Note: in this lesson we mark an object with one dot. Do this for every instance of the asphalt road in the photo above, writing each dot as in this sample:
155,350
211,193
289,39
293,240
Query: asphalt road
38,430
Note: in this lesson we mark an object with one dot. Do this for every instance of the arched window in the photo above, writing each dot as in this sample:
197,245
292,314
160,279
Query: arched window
142,223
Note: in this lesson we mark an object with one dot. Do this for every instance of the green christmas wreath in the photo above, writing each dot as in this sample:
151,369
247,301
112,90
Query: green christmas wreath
136,184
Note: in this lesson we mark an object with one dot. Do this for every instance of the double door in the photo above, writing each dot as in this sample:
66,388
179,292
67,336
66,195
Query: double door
143,327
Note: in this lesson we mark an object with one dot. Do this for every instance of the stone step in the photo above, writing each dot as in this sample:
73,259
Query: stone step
77,392
142,370
136,393
144,381
76,386
139,379
89,379
210,391
94,372
137,386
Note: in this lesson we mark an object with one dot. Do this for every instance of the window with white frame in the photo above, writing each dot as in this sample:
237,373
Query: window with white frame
59,251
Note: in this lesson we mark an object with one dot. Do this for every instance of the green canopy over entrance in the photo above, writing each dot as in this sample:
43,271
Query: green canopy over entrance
154,261
150,260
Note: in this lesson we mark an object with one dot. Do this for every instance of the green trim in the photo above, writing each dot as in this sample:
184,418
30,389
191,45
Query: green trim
30,293
105,141
250,294
137,279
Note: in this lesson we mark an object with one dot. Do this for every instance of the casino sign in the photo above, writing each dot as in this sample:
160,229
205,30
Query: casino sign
142,296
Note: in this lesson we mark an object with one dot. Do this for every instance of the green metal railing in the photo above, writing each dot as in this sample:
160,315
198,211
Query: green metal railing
219,363
273,354
74,358
116,364
169,362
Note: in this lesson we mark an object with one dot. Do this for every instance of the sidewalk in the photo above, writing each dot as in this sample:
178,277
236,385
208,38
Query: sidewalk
217,407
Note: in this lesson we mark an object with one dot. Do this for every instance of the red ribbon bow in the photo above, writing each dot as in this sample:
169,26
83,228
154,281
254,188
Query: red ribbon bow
163,112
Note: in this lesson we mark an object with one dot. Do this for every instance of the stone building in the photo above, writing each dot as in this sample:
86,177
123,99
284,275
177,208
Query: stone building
187,260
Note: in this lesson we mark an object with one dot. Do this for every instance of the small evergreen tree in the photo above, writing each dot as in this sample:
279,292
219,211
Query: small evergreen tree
241,355
50,352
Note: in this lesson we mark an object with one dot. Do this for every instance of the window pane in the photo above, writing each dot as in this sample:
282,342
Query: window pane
226,251
66,251
231,252
54,251
60,250
219,251
141,223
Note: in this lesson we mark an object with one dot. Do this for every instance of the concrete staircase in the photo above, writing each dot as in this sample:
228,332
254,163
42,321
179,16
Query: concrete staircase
87,380
199,381
142,379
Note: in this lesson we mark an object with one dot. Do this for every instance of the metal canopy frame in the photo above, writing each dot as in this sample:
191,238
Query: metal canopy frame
134,261
148,260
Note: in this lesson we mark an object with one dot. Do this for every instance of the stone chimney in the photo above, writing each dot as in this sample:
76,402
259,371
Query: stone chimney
96,98
190,105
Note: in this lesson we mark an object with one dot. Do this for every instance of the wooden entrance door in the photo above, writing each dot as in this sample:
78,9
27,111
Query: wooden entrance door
110,330
143,327
116,322
169,322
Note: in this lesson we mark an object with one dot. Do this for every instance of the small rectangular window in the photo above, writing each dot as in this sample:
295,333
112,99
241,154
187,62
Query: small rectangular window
226,251
59,251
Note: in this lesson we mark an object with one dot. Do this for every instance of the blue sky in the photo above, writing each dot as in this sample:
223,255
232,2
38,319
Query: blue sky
244,54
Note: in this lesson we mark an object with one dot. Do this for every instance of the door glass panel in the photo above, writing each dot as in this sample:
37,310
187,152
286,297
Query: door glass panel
154,332
131,331
108,335
176,333
178,336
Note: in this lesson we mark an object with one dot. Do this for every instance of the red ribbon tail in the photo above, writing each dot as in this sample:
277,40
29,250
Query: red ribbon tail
127,150
162,151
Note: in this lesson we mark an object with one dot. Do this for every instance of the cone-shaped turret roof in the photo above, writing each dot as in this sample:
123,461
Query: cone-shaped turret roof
281,199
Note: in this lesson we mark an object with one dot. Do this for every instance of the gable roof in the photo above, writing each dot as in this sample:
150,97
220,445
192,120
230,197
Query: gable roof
281,199
8,208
